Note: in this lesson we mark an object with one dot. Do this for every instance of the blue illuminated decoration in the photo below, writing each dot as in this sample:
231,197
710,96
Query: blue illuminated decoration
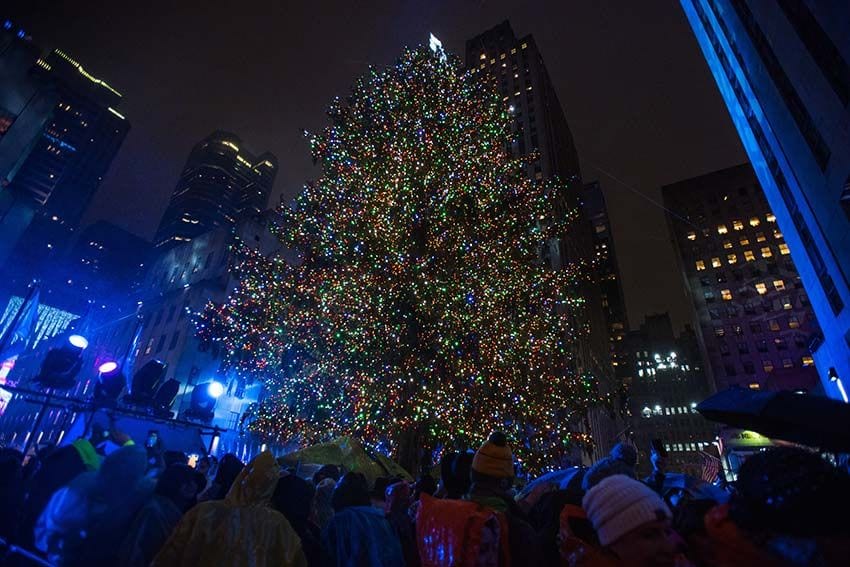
7,25
60,143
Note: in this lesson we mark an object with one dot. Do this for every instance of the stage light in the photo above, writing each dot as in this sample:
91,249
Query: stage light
108,367
78,341
215,389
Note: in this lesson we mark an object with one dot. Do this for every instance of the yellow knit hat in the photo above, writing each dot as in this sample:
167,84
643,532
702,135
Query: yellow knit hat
494,458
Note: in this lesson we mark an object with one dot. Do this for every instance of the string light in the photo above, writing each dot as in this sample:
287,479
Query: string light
422,307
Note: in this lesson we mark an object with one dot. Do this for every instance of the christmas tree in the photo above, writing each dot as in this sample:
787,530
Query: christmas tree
421,312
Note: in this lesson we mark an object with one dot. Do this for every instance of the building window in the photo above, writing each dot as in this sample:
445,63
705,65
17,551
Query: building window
708,295
749,256
737,225
773,325
779,285
743,348
692,236
732,258
149,346
793,322
749,367
744,241
761,346
754,221
783,249
777,235
719,331
760,237
726,294
807,360
160,344
786,303
715,263
780,343
770,217
761,288
767,365
721,229
174,339
700,265
766,253
755,386
755,328
727,244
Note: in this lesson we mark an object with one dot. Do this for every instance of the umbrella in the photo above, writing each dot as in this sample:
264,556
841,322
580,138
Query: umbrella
695,487
349,453
799,418
559,480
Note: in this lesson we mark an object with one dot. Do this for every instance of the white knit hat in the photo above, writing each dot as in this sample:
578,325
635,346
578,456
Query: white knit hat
619,504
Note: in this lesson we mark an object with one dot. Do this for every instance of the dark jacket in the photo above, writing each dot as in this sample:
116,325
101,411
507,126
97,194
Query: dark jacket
360,536
149,531
525,545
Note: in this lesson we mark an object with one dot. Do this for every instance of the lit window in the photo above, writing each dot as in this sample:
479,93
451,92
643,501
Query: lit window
719,331
700,265
731,258
737,225
787,363
786,304
755,386
744,241
524,45
727,244
692,236
766,253
513,51
808,360
749,256
783,249
777,235
761,288
773,325
721,229
493,61
755,221
770,217
793,323
502,56
779,285
726,294
760,237
483,56
715,262
767,365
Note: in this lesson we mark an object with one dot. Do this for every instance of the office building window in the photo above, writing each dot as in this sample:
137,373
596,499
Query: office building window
749,256
692,236
174,339
783,249
726,294
160,344
715,263
700,265
149,346
727,244
793,323
766,253
807,360
721,229
744,241
761,288
737,225
732,258
743,348
779,285
719,331
767,365
755,221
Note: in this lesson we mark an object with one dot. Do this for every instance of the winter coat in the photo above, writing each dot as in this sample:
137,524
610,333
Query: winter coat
360,536
149,532
240,530
85,522
523,540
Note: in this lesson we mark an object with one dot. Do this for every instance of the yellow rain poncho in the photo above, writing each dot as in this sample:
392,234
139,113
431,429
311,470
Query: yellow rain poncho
240,530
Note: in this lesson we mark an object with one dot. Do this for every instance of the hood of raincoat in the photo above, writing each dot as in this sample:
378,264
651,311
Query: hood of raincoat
255,483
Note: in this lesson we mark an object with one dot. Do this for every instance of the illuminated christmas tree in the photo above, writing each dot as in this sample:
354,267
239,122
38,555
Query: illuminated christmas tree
421,312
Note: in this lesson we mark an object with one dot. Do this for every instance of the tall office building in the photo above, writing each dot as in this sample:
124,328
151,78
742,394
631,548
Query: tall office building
516,68
608,275
782,68
220,183
755,320
61,131
666,382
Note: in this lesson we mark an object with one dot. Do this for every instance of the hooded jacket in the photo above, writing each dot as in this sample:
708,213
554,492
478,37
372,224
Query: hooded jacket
240,530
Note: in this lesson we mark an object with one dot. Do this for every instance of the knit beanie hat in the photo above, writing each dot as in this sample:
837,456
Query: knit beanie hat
619,504
494,457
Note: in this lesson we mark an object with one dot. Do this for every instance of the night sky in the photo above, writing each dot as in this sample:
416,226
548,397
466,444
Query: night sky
636,91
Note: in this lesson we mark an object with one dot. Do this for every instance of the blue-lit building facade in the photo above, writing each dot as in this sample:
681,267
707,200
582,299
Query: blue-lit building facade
782,69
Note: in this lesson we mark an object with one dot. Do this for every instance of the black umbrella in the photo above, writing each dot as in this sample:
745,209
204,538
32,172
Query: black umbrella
800,418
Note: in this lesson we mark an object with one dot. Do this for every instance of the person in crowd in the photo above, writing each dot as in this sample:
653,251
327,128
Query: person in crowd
322,509
293,497
242,529
425,485
204,465
228,469
359,534
11,490
84,522
454,475
658,459
621,460
326,471
492,474
378,494
176,492
174,457
789,509
631,522
58,469
396,509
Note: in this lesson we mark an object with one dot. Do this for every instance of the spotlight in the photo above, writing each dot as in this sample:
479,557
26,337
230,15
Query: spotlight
78,341
108,367
146,382
165,396
215,389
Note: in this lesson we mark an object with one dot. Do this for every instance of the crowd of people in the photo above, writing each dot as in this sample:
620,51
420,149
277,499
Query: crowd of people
117,503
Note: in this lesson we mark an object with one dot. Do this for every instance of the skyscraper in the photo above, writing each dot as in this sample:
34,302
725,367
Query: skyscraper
515,65
607,275
755,321
782,69
51,179
220,182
